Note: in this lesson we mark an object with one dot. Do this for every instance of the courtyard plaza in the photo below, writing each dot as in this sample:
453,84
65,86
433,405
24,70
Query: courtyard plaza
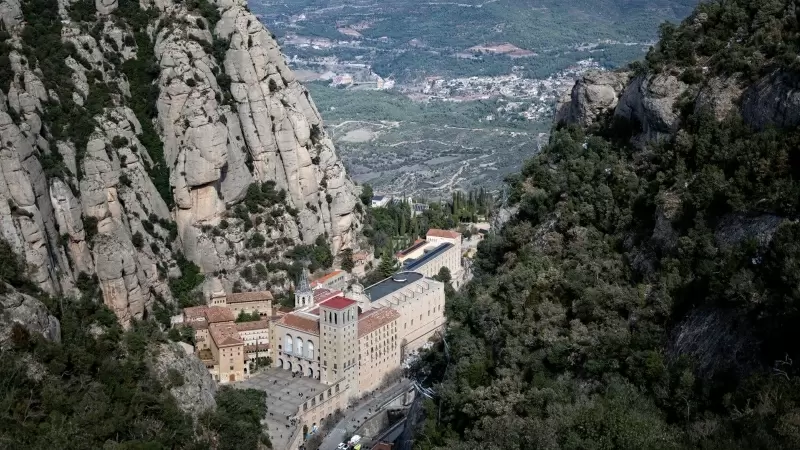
285,395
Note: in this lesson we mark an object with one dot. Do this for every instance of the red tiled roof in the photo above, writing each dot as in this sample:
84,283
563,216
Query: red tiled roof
301,323
199,324
374,319
254,325
246,297
435,232
322,294
321,280
216,314
225,335
193,313
338,302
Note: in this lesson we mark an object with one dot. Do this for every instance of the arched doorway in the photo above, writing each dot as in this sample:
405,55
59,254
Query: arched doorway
280,363
289,366
300,370
231,377
310,372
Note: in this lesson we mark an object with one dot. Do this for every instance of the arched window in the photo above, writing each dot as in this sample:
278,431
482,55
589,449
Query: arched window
288,346
310,350
298,346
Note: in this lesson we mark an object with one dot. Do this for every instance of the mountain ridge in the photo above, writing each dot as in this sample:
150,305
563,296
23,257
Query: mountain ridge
644,294
92,184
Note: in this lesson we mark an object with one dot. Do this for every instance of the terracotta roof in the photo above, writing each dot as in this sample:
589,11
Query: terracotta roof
216,314
225,335
435,232
322,294
246,297
374,319
416,245
321,280
199,324
256,347
254,325
193,313
338,302
314,311
301,323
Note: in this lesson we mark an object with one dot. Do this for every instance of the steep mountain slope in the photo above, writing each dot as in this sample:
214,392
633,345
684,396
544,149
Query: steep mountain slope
134,133
645,294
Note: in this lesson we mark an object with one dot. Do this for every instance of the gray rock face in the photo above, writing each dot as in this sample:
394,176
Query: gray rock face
650,102
196,393
773,101
10,13
228,121
594,93
16,307
720,96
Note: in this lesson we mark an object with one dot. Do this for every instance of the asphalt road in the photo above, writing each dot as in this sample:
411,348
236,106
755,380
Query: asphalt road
355,417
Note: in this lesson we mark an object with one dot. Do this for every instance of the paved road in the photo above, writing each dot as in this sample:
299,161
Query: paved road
354,418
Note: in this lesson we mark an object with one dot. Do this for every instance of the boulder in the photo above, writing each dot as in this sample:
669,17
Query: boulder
594,93
22,309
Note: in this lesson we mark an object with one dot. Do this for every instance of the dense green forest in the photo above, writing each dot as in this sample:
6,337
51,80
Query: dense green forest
641,298
95,388
394,227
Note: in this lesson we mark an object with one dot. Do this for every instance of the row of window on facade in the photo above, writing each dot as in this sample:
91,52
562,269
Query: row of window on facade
321,398
295,347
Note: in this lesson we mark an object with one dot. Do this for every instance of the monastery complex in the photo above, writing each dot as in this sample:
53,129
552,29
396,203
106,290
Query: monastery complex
346,337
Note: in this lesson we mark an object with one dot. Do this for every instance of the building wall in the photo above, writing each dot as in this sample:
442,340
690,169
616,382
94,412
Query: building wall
308,362
230,363
255,337
450,259
323,405
263,307
379,354
338,281
201,338
421,308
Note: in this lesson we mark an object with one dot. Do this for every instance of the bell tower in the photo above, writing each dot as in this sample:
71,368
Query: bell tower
339,339
303,295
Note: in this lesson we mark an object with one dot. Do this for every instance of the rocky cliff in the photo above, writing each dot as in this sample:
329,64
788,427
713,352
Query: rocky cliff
135,132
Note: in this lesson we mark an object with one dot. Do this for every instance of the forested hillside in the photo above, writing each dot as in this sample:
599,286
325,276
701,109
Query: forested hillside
646,294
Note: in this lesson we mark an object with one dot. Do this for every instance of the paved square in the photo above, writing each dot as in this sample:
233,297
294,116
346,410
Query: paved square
285,395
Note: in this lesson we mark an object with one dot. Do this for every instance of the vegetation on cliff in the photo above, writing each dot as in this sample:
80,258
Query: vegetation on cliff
95,388
642,298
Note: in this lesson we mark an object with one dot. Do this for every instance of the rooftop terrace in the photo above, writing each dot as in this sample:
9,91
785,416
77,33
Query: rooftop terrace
392,284
414,264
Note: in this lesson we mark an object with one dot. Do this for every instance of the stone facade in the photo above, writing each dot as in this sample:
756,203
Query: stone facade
441,248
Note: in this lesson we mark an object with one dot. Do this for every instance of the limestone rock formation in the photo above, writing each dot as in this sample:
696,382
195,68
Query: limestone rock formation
594,93
22,309
772,101
194,389
650,102
92,192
